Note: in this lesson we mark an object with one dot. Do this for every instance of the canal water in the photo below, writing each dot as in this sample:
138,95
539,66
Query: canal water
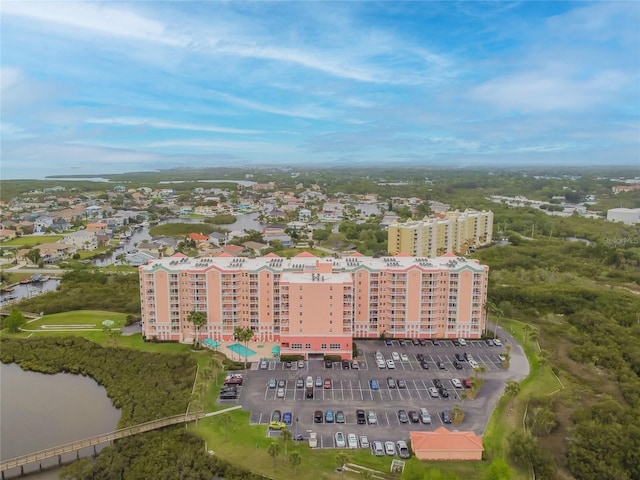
39,411
21,290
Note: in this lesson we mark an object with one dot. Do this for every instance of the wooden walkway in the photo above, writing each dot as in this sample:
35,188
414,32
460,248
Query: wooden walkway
36,457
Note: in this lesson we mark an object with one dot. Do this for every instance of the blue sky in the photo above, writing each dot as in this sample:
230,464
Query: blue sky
108,87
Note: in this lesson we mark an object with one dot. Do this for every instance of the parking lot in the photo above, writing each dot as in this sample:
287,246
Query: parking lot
352,389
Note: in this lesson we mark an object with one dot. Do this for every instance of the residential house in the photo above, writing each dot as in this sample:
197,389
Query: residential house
218,239
83,239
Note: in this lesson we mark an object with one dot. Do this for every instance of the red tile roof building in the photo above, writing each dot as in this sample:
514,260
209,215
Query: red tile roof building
443,444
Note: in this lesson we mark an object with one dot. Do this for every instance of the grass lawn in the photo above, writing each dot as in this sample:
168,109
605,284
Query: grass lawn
31,240
292,252
79,317
509,413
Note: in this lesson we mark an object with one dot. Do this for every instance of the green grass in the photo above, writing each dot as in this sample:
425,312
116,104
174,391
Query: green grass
508,414
80,317
292,252
31,241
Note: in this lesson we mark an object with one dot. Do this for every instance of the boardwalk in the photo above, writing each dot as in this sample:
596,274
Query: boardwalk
20,462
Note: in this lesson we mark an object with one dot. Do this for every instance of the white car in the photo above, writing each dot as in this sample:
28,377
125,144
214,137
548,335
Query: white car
355,365
377,448
390,364
473,363
433,391
395,356
462,342
281,393
364,441
340,442
352,441
497,342
381,363
404,357
372,418
389,448
502,357
456,383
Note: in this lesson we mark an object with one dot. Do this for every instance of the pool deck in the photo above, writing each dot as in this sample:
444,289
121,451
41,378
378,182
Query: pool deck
261,349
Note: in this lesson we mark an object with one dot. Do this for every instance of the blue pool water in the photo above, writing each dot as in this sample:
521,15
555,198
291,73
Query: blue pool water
240,350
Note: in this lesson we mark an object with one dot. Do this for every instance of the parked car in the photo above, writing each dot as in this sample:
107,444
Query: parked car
372,418
364,441
340,418
328,416
328,364
395,356
415,341
457,365
309,382
391,383
340,441
490,342
346,364
373,383
287,418
318,416
425,416
403,449
287,364
234,380
381,363
404,357
423,342
377,449
352,441
419,357
276,420
318,382
299,383
473,363
437,382
281,383
300,363
413,416
502,357
390,364
441,365
444,393
361,417
263,365
445,417
280,393
327,383
402,416
401,384
456,383
433,391
456,343
467,383
497,342
355,365
435,342
388,343
389,448
463,342
402,343
460,357
228,395
425,364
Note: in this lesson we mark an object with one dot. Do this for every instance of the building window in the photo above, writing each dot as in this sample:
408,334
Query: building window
335,346
307,345
323,346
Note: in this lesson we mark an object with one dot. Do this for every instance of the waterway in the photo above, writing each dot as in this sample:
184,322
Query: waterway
20,291
39,411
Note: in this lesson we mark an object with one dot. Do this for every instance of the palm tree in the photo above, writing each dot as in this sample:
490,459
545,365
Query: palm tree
341,460
245,335
274,451
198,319
457,415
285,436
294,460
512,388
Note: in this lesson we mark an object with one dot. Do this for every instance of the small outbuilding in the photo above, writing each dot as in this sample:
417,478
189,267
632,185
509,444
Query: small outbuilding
443,444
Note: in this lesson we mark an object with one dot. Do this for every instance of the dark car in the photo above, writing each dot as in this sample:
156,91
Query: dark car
403,343
415,341
445,417
444,393
281,383
424,364
460,357
402,416
287,364
413,416
287,418
419,357
361,417
490,342
388,343
456,342
299,383
345,365
228,395
457,365
466,356
435,342
437,383
233,380
441,365
340,418
328,364
229,388
318,416
401,384
391,383
423,342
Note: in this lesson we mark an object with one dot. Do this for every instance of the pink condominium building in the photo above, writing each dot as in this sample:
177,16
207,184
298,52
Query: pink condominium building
312,305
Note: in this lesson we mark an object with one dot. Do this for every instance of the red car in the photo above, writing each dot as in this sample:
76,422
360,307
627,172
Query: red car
327,383
233,380
467,383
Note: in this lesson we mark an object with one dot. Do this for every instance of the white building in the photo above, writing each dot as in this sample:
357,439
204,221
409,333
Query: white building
628,216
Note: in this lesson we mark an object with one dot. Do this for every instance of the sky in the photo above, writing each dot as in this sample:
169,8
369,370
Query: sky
110,87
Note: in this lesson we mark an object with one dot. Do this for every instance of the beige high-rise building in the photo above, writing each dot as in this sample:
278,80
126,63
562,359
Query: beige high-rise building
452,232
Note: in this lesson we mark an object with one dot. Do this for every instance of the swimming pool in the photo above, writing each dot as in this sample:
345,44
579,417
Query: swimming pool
241,350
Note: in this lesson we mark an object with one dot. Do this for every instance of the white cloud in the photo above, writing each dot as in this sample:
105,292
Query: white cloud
309,111
154,123
9,131
99,18
9,78
259,147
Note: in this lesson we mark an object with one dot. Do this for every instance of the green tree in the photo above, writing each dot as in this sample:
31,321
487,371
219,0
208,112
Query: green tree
34,256
274,451
512,389
541,420
198,319
14,321
286,437
244,335
341,460
295,459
